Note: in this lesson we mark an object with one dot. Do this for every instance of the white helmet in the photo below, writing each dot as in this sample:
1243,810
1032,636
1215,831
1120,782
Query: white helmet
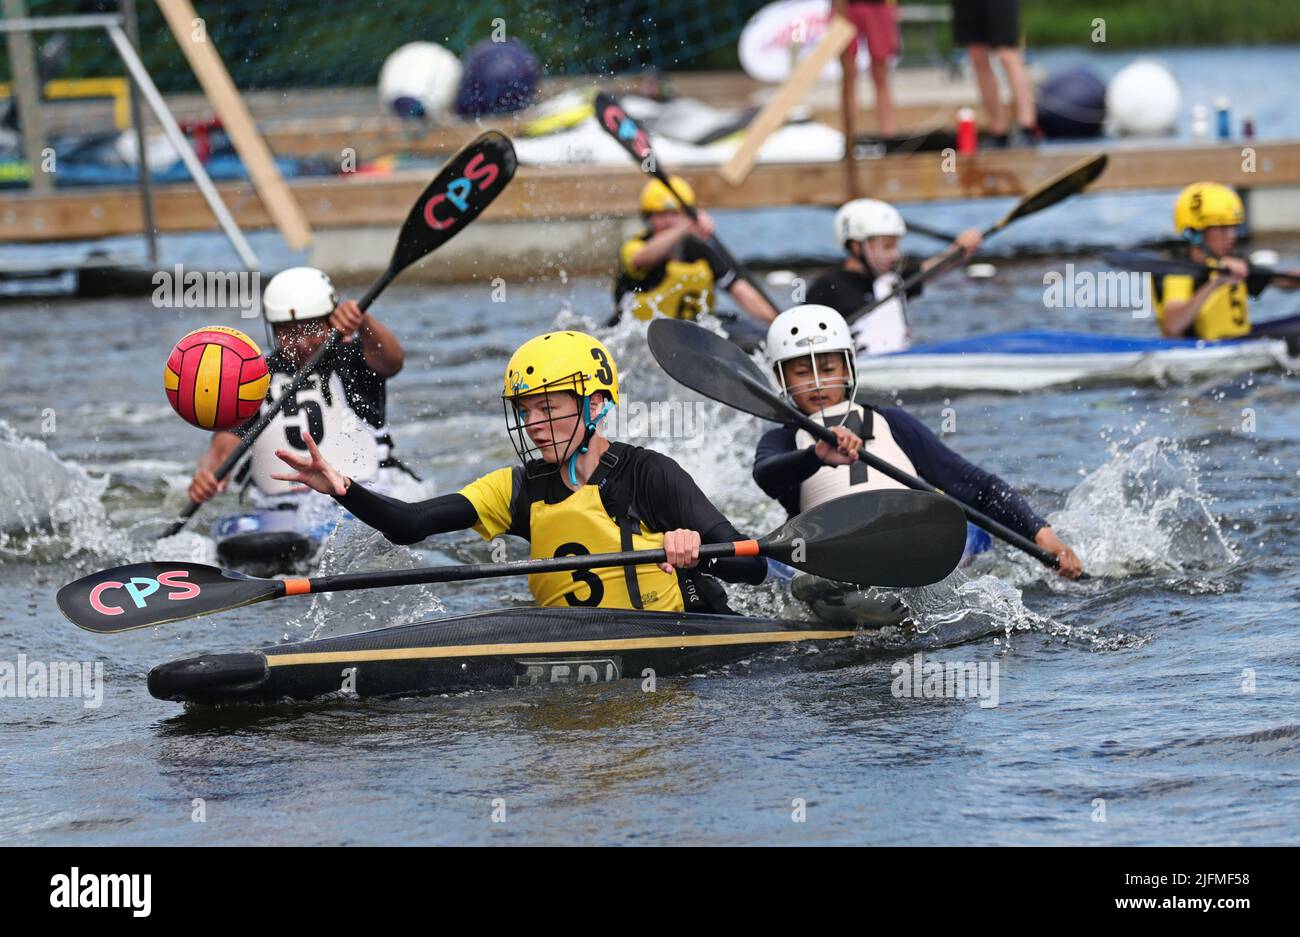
298,293
419,80
864,218
810,330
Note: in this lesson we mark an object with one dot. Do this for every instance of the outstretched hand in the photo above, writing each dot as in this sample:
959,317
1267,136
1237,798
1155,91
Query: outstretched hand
312,471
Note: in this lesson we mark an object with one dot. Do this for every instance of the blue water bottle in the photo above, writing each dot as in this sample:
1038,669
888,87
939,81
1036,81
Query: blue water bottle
1221,112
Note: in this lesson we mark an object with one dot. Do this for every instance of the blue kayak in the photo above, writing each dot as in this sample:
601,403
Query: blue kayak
1029,360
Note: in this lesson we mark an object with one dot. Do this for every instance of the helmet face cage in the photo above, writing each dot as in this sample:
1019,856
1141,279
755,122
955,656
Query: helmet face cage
517,421
849,386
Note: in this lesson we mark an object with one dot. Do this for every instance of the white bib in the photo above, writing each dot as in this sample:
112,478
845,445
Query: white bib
884,329
836,481
343,437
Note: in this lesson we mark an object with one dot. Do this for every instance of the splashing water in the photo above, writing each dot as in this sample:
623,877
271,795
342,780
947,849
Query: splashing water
965,607
1144,511
354,547
48,503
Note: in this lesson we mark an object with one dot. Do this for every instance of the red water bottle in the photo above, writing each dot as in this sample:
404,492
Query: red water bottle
967,139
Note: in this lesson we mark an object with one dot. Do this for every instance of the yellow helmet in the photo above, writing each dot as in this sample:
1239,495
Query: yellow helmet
560,361
656,197
1207,204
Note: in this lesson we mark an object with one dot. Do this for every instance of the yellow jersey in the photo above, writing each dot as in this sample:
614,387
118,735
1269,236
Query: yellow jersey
680,288
1225,313
633,497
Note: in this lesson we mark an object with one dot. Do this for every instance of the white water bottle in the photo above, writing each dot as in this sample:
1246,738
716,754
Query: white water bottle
1200,122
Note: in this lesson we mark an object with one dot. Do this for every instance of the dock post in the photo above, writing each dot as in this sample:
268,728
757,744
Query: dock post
27,92
131,23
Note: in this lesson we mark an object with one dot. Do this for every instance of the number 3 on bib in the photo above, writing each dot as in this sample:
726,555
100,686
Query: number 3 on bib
595,588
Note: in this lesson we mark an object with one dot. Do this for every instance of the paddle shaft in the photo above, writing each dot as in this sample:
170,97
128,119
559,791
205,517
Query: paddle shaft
290,391
947,260
929,232
559,564
1071,182
1173,266
636,143
1001,531
727,257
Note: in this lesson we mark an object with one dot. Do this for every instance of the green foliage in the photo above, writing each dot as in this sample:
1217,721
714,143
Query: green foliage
1160,22
295,43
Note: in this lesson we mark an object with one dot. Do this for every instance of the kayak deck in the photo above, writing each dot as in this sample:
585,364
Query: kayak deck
1029,360
494,649
271,541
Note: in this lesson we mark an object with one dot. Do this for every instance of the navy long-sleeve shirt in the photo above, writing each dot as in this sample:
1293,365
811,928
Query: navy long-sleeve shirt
780,468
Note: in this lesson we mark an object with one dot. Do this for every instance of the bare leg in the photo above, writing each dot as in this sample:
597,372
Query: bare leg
884,102
849,108
988,85
1022,94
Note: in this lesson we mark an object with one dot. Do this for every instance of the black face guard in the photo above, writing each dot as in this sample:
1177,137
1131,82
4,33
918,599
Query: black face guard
535,464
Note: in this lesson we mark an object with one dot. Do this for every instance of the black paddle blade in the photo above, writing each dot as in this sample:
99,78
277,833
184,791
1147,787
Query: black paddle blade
1071,182
465,186
715,367
615,122
875,538
146,594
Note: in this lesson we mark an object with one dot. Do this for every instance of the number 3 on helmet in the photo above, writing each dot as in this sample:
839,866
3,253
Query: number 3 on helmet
561,361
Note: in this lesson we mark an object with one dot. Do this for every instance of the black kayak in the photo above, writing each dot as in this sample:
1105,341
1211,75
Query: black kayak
841,604
513,647
270,541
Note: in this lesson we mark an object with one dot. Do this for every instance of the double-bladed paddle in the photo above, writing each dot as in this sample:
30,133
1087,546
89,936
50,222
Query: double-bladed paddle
633,138
887,538
465,186
1071,181
716,368
1160,265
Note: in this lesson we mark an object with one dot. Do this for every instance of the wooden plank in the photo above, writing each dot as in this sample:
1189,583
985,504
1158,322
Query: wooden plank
839,33
605,191
375,136
236,120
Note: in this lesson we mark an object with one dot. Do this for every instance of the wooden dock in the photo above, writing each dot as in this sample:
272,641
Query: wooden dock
577,191
574,214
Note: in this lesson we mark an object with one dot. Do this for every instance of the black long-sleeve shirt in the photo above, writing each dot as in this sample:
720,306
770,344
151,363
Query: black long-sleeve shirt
656,488
780,468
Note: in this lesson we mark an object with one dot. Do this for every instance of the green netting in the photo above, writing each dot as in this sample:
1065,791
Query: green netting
321,43
318,43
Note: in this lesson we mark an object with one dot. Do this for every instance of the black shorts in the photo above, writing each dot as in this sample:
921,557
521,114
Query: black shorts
993,23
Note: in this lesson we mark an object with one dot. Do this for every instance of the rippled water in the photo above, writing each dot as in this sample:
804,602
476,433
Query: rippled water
1164,692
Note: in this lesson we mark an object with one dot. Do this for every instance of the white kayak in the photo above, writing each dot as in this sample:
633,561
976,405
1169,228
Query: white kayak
1014,361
